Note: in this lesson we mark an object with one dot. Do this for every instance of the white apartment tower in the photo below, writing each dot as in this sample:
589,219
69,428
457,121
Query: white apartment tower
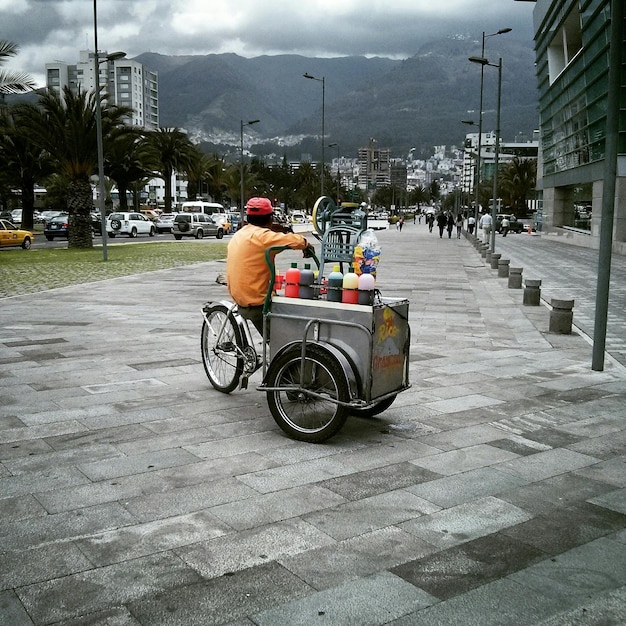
128,83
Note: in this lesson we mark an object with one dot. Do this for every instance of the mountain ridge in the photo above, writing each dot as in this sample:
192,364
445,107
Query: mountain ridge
416,102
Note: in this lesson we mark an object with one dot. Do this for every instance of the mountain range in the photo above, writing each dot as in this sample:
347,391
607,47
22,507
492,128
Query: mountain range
417,102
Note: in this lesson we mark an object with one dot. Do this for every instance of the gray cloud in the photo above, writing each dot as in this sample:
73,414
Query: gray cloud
49,30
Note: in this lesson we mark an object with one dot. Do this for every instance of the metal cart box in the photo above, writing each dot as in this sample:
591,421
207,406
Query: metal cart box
375,338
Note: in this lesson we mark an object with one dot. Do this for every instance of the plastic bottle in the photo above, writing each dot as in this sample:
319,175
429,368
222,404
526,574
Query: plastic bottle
349,292
292,281
307,277
335,283
366,289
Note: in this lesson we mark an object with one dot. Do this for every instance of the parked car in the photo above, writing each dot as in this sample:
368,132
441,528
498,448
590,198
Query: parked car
515,225
131,224
224,221
196,225
234,217
16,216
164,223
57,226
11,235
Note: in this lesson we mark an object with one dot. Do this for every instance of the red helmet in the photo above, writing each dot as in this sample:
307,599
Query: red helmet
259,206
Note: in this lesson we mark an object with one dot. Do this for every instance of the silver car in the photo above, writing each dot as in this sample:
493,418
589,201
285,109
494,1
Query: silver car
196,225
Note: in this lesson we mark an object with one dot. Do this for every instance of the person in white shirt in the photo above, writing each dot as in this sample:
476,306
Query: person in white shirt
485,223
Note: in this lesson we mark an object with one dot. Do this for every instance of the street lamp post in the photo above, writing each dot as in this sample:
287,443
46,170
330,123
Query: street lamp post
482,61
336,145
502,31
99,139
242,190
323,81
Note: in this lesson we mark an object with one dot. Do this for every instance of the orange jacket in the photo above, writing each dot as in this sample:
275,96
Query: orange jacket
247,272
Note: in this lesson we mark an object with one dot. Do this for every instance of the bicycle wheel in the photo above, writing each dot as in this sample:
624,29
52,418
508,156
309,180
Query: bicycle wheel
301,415
223,363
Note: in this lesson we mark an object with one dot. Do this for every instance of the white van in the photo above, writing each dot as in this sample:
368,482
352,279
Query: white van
214,209
200,206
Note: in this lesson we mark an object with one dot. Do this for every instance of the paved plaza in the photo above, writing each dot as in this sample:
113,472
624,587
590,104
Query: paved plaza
493,491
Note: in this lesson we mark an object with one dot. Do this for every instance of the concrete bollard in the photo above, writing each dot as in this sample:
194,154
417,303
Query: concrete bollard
488,257
495,257
503,268
483,250
515,277
561,316
532,292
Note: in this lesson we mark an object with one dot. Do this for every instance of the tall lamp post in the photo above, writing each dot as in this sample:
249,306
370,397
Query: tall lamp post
323,81
111,57
494,210
242,200
336,145
502,31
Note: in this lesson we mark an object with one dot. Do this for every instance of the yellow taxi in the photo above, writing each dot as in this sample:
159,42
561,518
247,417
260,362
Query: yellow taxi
11,235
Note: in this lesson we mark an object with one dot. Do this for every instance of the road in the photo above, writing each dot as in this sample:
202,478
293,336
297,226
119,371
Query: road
570,272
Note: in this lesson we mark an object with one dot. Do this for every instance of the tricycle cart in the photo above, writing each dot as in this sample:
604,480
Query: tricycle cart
321,360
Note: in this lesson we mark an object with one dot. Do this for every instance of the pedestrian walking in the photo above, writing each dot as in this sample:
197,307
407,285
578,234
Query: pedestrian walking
400,224
504,226
485,223
471,224
459,225
449,223
442,222
430,220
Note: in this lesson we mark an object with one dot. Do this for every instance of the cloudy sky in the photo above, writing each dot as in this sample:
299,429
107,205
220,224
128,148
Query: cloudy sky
51,30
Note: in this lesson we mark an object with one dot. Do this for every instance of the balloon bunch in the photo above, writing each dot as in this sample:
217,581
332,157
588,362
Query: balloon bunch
366,253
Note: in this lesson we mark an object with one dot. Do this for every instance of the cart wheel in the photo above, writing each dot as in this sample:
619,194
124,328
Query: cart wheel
321,206
374,409
303,416
223,363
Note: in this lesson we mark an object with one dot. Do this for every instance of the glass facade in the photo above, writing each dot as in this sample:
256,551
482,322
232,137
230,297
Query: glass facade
572,67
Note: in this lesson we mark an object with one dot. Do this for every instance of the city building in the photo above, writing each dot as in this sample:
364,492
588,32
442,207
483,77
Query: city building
374,167
127,82
572,51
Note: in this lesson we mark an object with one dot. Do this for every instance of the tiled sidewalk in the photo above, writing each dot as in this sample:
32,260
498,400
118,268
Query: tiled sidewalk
492,492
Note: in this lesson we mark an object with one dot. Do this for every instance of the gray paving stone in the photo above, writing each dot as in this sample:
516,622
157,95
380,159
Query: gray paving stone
97,589
367,514
276,506
596,567
465,459
49,560
332,565
12,610
614,500
367,601
465,522
545,464
253,547
221,600
500,603
459,488
612,471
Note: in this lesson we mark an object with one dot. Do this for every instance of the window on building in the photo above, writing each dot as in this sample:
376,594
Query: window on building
565,45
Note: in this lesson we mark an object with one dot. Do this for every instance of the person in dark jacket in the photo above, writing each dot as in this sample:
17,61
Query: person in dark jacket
442,221
450,223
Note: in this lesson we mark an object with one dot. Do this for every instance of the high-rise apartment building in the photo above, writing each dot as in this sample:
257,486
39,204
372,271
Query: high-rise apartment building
374,167
127,83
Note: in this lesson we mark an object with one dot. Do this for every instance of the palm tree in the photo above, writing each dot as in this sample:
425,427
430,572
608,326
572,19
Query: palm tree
12,82
23,162
126,161
65,127
197,172
518,178
170,151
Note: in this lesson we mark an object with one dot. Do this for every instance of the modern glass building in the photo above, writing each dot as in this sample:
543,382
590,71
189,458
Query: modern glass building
572,40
